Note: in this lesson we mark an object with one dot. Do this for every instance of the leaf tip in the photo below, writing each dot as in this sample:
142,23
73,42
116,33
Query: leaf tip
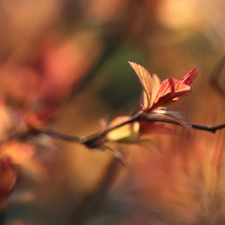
196,70
132,64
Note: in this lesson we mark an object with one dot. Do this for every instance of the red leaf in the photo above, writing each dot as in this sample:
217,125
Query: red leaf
190,76
146,82
170,90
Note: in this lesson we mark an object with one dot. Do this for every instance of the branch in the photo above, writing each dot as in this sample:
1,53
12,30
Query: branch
209,128
93,140
96,140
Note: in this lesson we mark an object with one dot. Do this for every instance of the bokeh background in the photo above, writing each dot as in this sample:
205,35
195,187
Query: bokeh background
65,63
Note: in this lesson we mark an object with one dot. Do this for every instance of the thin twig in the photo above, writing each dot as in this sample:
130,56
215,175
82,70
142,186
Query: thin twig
62,136
97,139
209,128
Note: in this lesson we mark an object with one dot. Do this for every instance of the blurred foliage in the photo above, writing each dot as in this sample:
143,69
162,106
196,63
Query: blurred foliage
63,64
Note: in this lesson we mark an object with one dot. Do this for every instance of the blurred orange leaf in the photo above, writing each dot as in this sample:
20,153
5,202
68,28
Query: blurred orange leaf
126,133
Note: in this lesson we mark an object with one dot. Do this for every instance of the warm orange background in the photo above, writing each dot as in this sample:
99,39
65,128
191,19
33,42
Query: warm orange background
65,62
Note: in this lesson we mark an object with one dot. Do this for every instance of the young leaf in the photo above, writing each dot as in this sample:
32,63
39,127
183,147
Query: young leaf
146,82
156,83
179,117
190,76
170,90
126,133
155,88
